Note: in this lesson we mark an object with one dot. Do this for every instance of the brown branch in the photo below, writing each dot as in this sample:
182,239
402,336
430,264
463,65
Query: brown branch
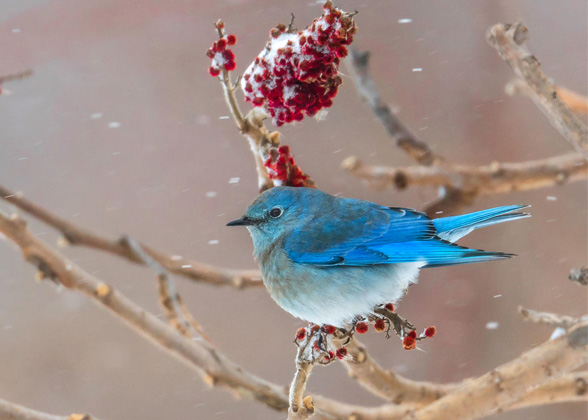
561,321
76,235
12,411
509,41
15,76
387,384
579,275
171,301
572,387
214,368
471,181
407,141
301,408
511,381
576,102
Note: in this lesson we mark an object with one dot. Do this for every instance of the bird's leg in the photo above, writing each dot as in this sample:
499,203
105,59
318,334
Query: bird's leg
399,324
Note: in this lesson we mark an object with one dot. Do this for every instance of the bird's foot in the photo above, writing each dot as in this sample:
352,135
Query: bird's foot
402,327
315,343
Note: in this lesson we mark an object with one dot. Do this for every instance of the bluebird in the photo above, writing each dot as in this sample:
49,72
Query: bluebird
331,260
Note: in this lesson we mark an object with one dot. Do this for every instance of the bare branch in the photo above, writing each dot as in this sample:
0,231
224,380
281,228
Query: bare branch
387,384
576,102
15,76
556,320
301,408
171,301
509,41
469,181
213,367
572,387
511,381
579,275
407,141
12,411
77,235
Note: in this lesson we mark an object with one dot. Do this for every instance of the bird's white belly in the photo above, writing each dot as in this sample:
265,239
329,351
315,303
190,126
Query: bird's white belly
337,295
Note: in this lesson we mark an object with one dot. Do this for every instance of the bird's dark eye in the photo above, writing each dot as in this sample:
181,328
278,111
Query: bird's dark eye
275,212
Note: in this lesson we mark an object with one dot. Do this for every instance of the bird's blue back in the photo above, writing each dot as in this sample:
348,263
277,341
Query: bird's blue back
347,232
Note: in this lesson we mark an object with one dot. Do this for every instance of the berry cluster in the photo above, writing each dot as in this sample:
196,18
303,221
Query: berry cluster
221,56
297,72
284,171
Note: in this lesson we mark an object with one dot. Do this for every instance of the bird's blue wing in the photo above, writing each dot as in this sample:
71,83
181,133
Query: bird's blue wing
362,234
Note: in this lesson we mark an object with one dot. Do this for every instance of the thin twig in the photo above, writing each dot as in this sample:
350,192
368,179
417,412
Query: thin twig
509,41
76,235
407,141
15,76
171,301
576,102
12,411
561,321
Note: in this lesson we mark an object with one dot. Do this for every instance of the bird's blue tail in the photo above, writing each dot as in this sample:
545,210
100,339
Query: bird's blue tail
455,227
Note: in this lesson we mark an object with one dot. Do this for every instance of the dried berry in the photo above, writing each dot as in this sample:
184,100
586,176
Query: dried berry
221,56
430,332
361,327
409,343
329,329
390,307
341,353
301,334
380,325
284,171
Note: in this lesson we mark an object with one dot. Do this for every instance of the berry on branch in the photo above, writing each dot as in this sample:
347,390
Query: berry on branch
297,72
221,56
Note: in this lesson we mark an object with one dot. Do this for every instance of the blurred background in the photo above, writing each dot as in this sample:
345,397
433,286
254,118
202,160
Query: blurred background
122,130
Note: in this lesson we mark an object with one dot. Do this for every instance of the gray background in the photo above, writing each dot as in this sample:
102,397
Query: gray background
142,64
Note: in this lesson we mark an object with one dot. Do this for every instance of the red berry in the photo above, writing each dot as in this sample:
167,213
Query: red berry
221,43
409,343
430,332
329,329
329,356
412,334
361,327
230,65
314,329
380,325
231,39
210,53
214,71
341,353
390,307
301,334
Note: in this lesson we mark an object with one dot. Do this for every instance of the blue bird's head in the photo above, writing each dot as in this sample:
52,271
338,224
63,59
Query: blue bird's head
276,212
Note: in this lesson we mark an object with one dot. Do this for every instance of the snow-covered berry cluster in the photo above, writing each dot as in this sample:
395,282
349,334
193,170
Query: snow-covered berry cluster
297,72
284,171
221,56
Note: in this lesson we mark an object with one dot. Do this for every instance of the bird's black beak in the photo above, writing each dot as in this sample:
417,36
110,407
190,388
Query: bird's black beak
243,221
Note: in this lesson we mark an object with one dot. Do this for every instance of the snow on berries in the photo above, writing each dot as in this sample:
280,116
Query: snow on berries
297,72
221,56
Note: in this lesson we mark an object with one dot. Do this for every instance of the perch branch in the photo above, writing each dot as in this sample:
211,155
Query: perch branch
12,411
387,384
509,41
15,76
473,181
77,235
407,141
301,408
511,381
